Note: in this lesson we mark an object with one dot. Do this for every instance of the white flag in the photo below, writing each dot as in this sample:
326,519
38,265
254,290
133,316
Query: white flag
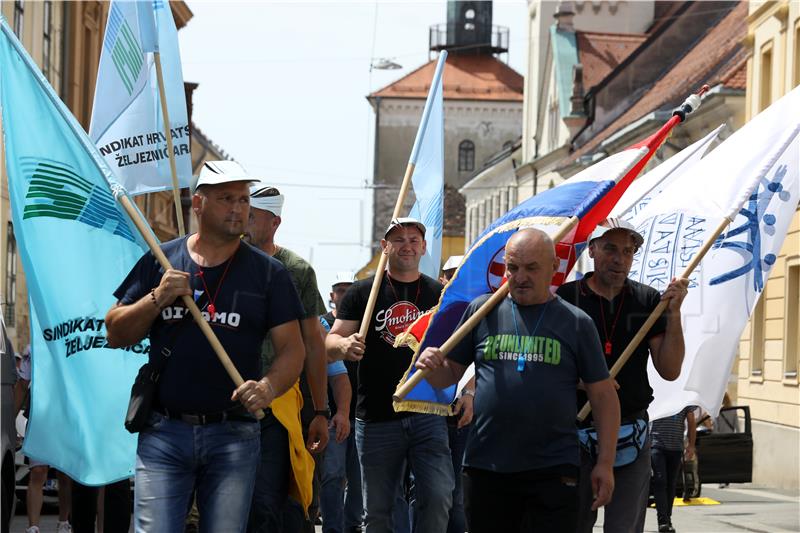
751,179
127,124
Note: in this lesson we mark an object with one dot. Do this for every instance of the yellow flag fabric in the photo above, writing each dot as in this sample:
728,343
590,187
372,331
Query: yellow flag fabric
287,410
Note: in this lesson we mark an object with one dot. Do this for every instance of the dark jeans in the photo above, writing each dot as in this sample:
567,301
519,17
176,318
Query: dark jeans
116,507
530,502
458,442
272,478
666,465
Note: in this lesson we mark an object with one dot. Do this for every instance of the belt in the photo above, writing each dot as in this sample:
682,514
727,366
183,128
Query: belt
237,413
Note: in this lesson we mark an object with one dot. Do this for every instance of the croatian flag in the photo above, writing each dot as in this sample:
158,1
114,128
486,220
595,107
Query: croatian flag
589,196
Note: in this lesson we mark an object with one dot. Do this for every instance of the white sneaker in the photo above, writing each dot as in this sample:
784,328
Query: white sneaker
32,529
63,527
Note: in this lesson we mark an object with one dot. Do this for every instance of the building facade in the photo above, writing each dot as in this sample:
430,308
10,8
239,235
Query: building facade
769,351
482,108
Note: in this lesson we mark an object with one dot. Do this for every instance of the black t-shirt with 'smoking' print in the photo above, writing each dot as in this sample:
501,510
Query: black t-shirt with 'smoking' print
382,367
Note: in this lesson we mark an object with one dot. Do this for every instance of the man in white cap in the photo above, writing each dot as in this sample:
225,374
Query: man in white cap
388,441
202,436
266,208
619,307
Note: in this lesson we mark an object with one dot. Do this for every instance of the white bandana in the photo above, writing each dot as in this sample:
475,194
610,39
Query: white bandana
273,204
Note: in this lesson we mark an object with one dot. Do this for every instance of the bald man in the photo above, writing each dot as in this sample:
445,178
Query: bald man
530,352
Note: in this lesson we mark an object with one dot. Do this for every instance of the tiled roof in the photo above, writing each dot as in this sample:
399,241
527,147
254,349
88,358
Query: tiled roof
466,77
600,53
717,58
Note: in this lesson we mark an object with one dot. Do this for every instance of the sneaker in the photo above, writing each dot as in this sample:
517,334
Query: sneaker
63,527
666,528
32,529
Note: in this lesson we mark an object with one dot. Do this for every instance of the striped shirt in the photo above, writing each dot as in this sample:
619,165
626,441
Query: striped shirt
667,432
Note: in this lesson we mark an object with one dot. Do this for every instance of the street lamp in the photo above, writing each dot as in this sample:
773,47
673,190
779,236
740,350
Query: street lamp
384,63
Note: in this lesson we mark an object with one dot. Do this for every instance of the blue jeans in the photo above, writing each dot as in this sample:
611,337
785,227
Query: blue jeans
173,459
272,478
340,469
384,448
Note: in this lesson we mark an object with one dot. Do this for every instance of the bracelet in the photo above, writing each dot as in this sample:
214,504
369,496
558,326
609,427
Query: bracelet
265,381
153,298
467,392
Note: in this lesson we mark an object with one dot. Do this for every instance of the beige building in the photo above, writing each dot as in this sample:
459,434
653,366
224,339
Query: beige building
770,347
64,39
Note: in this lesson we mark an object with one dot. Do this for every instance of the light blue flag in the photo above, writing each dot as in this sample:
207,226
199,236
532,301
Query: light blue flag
127,123
76,247
428,178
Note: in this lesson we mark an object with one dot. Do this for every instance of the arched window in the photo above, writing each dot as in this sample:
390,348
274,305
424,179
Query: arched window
466,156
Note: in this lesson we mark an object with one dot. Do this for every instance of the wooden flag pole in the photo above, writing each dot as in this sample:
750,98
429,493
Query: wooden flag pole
176,192
403,390
657,312
147,234
376,283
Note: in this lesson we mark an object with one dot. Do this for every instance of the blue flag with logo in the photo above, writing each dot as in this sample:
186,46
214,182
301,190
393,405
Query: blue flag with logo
428,177
76,245
127,121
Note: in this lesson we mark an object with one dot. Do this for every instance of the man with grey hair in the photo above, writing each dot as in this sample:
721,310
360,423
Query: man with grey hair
530,352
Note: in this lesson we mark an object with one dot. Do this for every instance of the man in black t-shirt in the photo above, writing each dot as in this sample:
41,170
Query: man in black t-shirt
387,441
521,461
619,307
201,436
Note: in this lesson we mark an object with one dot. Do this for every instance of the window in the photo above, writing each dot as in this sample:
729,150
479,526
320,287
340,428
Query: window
757,340
466,156
791,345
765,90
19,15
11,276
47,32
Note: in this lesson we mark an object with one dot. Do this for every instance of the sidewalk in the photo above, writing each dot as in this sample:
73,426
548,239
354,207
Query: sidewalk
743,508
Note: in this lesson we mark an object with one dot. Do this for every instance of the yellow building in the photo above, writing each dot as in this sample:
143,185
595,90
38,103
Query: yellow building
770,347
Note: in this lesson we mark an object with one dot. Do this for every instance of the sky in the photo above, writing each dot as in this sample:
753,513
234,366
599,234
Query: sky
282,89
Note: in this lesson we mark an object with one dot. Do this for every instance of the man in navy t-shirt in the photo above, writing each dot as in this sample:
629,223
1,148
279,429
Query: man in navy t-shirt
201,435
530,351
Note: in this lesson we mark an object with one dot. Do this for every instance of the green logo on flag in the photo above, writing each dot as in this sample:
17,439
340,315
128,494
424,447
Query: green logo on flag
57,191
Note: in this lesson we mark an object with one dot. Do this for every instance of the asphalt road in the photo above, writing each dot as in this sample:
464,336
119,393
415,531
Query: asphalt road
743,508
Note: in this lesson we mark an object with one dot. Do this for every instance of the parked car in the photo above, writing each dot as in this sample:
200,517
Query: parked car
724,455
9,432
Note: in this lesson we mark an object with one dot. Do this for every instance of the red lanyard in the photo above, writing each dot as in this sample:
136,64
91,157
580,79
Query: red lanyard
396,299
609,336
212,308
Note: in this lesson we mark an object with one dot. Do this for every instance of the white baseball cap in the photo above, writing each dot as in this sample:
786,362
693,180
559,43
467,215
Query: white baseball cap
344,277
404,221
452,262
613,224
217,172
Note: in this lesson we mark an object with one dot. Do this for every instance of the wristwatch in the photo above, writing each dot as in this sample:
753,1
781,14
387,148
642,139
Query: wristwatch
467,392
322,412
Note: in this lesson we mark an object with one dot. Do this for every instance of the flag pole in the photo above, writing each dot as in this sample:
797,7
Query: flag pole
403,390
662,305
147,234
176,192
426,112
